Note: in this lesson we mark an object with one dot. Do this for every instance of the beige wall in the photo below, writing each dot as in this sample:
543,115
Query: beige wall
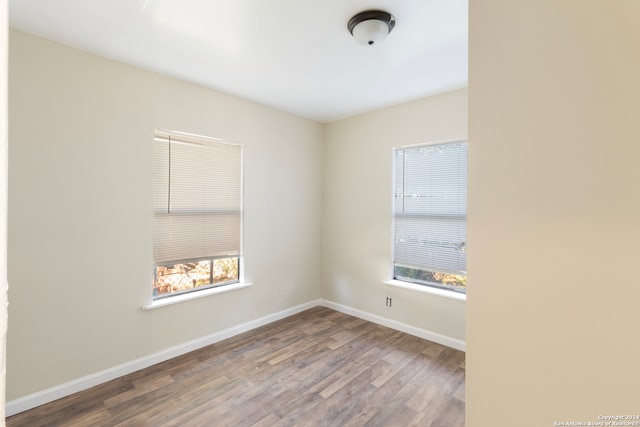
80,226
554,203
4,80
356,216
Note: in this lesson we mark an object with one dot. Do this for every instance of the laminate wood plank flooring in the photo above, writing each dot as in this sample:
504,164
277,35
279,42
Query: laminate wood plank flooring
316,368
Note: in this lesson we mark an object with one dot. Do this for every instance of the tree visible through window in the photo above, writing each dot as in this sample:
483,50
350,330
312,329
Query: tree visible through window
187,276
430,215
197,215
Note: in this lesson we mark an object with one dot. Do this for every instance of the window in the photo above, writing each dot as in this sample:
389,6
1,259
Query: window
197,213
430,215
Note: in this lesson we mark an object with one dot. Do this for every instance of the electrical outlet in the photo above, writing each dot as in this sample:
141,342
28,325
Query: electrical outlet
281,290
388,303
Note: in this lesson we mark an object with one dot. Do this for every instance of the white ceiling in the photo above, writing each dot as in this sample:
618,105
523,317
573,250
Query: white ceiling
293,55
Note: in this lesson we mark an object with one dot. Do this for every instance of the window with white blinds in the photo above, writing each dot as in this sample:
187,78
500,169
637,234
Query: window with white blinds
430,214
197,208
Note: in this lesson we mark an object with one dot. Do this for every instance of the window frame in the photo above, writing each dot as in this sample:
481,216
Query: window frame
417,284
163,299
195,288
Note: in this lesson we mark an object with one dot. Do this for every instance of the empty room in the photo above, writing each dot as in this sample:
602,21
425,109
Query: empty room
392,213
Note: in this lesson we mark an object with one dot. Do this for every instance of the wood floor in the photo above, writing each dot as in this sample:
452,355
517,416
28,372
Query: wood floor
317,368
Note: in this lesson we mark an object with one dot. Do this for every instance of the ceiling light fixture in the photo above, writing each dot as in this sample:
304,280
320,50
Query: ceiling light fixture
371,26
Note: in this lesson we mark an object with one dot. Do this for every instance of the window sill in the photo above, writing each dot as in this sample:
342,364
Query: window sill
427,289
194,295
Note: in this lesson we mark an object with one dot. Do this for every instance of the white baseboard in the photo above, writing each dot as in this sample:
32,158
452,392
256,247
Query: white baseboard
49,395
398,326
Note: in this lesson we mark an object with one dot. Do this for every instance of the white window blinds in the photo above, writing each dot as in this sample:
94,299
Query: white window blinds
197,203
430,207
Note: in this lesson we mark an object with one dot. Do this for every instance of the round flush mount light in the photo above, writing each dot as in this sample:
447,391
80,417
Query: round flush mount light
371,26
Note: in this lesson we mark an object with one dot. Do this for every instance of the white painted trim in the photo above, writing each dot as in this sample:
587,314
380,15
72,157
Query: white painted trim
49,395
427,289
398,326
163,302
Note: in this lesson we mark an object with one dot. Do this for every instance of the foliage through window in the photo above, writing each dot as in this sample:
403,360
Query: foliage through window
197,213
187,276
430,215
